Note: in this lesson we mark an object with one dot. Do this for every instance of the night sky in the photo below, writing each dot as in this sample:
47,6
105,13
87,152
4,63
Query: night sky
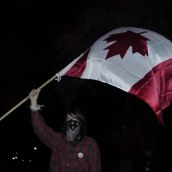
37,39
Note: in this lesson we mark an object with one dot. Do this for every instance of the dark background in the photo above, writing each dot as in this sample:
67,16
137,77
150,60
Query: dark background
37,39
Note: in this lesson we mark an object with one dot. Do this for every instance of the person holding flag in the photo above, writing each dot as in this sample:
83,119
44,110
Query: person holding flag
71,149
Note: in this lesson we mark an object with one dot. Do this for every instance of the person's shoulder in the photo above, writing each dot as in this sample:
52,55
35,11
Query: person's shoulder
89,139
91,143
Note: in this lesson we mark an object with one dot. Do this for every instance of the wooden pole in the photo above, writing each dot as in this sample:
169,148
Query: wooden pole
57,75
26,98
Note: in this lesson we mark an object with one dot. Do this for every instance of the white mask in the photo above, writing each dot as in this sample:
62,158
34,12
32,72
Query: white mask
72,130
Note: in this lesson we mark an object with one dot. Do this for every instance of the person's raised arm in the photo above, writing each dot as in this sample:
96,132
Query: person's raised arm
45,133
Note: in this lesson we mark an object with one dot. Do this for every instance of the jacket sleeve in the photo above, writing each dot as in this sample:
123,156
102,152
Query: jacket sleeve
95,158
46,134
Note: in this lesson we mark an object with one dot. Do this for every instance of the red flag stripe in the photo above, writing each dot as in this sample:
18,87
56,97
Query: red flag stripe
79,67
156,87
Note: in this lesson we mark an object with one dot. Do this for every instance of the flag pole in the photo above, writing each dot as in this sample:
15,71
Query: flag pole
57,75
26,98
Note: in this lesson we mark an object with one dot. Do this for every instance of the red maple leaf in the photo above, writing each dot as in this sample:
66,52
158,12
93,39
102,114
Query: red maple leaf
123,41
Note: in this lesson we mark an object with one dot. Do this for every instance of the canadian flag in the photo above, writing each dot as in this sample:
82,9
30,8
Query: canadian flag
136,60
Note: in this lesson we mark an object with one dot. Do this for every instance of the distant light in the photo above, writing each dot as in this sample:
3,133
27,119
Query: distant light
15,157
30,160
35,148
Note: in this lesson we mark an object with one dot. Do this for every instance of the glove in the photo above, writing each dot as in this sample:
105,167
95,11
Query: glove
33,96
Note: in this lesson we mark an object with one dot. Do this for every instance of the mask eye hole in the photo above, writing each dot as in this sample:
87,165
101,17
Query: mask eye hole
72,124
77,123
